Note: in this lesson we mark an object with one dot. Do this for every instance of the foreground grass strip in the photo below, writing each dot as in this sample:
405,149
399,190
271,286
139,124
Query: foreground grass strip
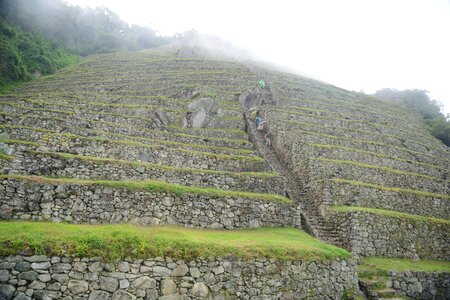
390,189
382,168
388,213
152,165
404,264
113,242
152,186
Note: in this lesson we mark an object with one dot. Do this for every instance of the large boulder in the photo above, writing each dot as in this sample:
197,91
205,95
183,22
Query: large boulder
200,112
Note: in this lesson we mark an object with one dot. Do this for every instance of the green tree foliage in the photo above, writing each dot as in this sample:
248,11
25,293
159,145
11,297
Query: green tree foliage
81,30
420,102
24,55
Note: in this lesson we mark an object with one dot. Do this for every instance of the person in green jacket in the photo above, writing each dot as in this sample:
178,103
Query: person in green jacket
262,83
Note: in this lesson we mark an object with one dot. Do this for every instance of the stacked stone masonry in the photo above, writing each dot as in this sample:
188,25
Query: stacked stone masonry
25,200
42,277
368,234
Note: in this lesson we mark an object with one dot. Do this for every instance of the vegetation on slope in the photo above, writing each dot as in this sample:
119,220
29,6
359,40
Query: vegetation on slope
379,266
156,186
26,54
120,241
420,102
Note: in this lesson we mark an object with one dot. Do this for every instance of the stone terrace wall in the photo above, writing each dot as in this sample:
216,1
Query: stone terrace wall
48,165
421,285
99,204
369,234
336,193
40,277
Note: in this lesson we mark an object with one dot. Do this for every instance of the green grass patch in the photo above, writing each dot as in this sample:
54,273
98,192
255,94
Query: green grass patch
335,137
27,127
37,109
5,156
381,168
19,142
112,242
156,166
402,140
328,146
391,189
384,265
156,186
388,213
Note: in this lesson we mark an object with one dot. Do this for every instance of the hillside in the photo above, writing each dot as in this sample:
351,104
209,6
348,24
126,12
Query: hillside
152,138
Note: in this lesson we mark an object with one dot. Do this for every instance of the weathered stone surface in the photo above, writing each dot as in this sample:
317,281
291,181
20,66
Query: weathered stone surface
99,295
200,290
109,284
78,286
22,266
7,290
123,266
161,271
151,294
40,265
122,295
29,275
180,270
168,287
4,275
144,282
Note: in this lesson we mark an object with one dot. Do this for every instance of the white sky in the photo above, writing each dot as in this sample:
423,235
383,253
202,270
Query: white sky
354,44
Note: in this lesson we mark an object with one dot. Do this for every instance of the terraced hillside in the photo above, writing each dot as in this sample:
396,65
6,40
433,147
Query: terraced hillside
373,177
152,139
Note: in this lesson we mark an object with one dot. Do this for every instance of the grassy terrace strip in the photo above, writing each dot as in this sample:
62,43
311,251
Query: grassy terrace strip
388,213
138,144
381,168
112,242
356,121
5,156
326,102
231,130
19,142
151,165
390,189
302,108
327,146
338,137
382,265
151,186
163,132
36,129
79,107
38,109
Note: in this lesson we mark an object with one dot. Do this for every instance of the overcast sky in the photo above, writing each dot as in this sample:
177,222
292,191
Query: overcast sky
354,44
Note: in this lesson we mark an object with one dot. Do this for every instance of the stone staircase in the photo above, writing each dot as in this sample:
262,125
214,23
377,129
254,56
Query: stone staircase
313,221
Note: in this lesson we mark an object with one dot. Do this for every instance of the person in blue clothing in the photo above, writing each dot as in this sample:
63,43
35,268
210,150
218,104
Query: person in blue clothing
258,120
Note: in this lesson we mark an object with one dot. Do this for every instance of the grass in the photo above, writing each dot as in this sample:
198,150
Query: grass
391,189
156,166
37,129
381,168
5,156
402,140
409,133
336,137
155,186
389,213
380,266
113,242
19,142
328,146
